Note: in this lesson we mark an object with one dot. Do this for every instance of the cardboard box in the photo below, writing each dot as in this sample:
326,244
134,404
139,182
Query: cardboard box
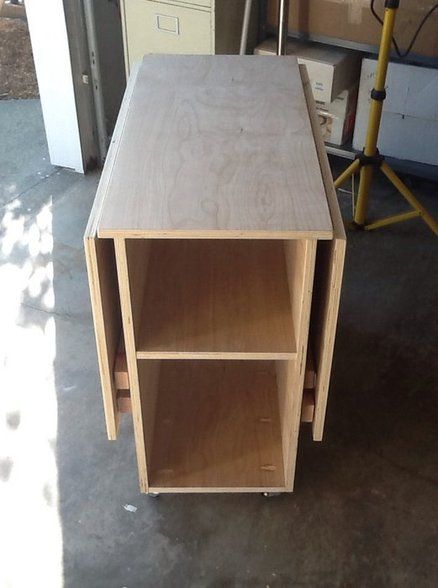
409,128
337,117
331,70
351,20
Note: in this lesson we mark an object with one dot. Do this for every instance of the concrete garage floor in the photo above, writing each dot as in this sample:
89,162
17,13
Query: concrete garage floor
364,511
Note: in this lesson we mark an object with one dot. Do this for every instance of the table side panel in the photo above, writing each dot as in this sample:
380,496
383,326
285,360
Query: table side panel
328,281
99,254
300,258
101,269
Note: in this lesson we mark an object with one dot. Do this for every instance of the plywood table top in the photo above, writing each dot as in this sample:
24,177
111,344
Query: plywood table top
215,147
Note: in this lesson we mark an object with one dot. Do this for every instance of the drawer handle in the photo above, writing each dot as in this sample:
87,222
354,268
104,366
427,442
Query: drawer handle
167,24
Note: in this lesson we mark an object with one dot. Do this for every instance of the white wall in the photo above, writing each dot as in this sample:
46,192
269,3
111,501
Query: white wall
48,34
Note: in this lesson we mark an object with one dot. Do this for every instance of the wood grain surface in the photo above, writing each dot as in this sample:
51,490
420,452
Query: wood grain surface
217,146
328,280
107,319
216,298
300,260
216,427
138,405
102,277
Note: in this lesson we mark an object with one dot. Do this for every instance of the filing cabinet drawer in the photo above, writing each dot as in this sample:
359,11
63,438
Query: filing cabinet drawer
155,27
195,3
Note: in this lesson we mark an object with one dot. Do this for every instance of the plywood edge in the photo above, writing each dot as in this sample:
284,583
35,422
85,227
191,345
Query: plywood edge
128,333
327,343
291,374
231,355
91,231
212,234
335,273
335,213
90,247
109,392
216,489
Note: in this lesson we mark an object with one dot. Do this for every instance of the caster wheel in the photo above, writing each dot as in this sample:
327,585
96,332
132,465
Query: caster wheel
153,494
271,494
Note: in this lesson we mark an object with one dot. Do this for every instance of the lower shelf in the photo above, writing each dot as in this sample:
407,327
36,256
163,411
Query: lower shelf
216,427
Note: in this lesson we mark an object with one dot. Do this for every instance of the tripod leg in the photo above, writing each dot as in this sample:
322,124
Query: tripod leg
407,194
391,220
351,169
366,177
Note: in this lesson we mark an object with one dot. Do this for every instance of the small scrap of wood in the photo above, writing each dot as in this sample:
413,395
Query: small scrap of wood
121,376
124,401
308,406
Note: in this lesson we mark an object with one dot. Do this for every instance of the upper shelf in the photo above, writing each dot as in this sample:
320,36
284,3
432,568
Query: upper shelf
216,147
216,299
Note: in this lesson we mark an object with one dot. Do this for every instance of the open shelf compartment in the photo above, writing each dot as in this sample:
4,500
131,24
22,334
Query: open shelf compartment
211,299
208,420
212,425
199,292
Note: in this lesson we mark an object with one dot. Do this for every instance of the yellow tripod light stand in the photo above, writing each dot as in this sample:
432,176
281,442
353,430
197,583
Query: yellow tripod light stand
370,158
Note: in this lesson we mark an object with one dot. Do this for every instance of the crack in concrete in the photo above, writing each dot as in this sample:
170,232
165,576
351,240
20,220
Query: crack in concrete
49,312
40,181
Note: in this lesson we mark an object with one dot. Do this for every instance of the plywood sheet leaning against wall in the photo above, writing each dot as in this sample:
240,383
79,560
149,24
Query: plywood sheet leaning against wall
328,279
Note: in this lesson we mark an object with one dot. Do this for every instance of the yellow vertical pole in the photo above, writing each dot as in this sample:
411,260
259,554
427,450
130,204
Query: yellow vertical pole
370,150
